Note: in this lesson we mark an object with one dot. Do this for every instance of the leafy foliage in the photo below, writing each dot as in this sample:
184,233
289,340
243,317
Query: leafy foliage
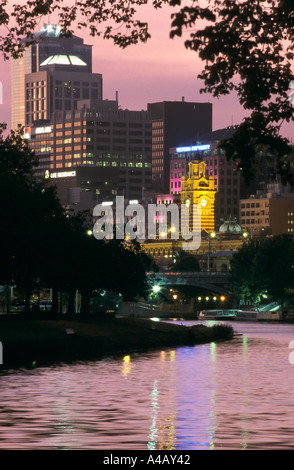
41,246
247,285
185,261
247,47
110,19
266,266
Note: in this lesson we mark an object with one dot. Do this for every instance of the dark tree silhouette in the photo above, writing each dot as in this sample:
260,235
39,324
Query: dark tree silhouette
42,247
266,266
184,262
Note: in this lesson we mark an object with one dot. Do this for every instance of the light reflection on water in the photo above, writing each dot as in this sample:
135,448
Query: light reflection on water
232,395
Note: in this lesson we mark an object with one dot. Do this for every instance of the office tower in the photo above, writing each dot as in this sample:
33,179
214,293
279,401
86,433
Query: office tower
59,86
50,49
174,122
98,134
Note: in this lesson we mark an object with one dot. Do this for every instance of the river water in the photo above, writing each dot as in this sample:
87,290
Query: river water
234,395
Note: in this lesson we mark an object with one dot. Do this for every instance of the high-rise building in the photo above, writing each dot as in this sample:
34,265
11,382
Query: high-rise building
50,48
84,144
58,87
98,134
174,122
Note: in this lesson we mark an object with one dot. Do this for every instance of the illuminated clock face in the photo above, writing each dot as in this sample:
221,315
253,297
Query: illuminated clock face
203,202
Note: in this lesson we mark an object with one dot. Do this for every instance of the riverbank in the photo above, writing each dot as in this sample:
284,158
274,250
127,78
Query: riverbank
28,341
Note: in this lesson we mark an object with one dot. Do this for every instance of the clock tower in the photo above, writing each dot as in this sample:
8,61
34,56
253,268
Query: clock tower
197,188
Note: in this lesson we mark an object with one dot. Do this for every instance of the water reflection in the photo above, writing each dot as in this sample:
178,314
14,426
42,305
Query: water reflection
235,395
153,436
127,366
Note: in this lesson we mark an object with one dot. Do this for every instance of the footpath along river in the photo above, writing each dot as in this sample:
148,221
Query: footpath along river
233,395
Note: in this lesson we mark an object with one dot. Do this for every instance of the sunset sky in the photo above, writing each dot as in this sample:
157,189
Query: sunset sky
160,70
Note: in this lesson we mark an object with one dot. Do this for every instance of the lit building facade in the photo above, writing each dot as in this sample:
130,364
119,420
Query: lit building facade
48,44
174,122
59,88
198,188
270,213
98,135
227,179
179,163
82,187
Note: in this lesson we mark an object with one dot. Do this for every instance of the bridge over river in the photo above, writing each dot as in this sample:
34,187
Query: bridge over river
218,282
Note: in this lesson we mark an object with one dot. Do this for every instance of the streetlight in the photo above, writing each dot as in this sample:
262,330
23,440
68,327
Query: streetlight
210,235
156,289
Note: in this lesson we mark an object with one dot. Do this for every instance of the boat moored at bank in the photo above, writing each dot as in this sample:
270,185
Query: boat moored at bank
228,314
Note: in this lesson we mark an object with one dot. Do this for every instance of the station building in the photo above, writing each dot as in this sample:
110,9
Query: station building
227,179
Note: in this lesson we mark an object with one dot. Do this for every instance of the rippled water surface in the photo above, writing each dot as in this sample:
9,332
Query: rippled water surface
232,395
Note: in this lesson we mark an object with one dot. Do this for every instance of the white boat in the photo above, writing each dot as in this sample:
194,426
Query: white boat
228,314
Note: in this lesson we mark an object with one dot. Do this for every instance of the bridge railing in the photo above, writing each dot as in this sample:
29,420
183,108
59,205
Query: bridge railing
192,274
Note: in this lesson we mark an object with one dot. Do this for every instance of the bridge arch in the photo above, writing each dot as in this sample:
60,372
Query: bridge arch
218,283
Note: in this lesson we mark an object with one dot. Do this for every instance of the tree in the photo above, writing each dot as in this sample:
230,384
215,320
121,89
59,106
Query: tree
185,262
31,215
246,46
41,246
126,269
265,267
273,267
245,284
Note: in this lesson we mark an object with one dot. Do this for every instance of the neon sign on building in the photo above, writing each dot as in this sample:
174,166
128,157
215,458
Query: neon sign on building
193,148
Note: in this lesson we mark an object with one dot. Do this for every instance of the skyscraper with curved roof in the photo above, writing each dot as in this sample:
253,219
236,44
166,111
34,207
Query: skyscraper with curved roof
53,56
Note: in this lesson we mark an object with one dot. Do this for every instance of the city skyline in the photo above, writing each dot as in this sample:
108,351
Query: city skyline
160,70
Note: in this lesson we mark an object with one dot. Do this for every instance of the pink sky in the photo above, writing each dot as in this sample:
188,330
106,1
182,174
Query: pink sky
160,70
